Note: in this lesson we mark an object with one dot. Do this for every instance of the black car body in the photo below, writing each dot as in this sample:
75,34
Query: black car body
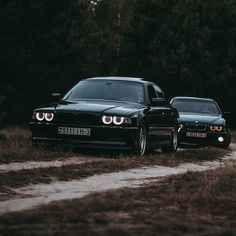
201,122
109,112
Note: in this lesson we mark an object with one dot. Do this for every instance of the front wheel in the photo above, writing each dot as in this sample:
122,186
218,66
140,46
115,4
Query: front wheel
172,146
141,143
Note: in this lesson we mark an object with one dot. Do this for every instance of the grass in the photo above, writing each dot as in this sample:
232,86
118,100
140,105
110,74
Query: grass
189,204
17,147
233,135
69,172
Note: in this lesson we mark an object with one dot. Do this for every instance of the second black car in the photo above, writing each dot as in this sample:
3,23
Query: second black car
201,122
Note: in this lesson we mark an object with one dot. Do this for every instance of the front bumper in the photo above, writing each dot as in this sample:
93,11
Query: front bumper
210,139
105,137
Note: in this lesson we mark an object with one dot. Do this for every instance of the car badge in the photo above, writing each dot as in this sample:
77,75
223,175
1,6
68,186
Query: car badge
196,121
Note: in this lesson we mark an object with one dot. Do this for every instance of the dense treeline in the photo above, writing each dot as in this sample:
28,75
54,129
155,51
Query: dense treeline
188,47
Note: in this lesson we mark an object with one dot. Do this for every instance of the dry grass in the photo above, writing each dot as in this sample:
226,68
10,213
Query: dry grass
201,154
69,172
233,135
189,204
16,146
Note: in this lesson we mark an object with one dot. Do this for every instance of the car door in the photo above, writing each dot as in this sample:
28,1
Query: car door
160,118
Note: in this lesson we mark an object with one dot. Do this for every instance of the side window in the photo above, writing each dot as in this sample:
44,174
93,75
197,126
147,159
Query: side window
159,91
151,92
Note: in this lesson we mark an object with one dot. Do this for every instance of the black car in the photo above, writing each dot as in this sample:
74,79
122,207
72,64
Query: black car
201,122
109,112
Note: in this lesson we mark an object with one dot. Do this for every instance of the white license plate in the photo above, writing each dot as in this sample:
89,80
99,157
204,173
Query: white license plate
196,135
74,131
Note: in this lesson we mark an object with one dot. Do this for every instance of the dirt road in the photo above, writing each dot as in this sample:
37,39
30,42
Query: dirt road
29,165
40,194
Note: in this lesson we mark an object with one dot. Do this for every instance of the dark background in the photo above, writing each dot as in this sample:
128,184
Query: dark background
188,47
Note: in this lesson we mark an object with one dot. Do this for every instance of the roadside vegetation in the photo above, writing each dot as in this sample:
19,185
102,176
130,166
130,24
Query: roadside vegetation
233,134
17,147
188,204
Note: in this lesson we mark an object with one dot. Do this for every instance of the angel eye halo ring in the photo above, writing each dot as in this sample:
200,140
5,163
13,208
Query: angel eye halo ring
216,128
49,116
107,120
40,116
116,120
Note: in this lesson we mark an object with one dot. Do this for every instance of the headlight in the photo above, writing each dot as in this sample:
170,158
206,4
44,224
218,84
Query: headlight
117,120
216,128
49,116
40,116
127,121
180,127
107,120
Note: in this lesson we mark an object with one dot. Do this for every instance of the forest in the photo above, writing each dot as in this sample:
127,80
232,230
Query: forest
188,47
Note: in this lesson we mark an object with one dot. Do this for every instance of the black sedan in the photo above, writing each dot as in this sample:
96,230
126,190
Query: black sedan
109,112
201,122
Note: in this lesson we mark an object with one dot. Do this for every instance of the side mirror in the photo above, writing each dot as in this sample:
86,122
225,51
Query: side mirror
56,96
159,102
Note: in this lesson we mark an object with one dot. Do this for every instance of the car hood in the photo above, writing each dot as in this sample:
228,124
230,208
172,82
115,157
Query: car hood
200,118
95,106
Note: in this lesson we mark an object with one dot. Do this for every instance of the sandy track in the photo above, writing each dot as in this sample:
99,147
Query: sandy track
29,165
41,194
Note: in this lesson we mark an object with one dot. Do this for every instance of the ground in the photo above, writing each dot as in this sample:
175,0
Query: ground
150,202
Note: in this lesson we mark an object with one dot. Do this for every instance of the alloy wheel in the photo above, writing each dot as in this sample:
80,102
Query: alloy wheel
142,140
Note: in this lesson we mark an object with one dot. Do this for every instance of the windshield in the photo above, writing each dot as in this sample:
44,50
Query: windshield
107,90
196,106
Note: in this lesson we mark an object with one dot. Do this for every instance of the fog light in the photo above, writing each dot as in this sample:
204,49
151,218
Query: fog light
221,139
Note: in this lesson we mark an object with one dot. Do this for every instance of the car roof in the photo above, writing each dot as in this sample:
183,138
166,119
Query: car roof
119,78
193,98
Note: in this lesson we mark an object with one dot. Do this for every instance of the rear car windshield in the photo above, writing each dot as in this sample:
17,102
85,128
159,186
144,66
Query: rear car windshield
107,90
196,106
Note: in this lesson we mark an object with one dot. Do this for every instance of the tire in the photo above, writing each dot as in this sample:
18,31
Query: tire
173,145
141,142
